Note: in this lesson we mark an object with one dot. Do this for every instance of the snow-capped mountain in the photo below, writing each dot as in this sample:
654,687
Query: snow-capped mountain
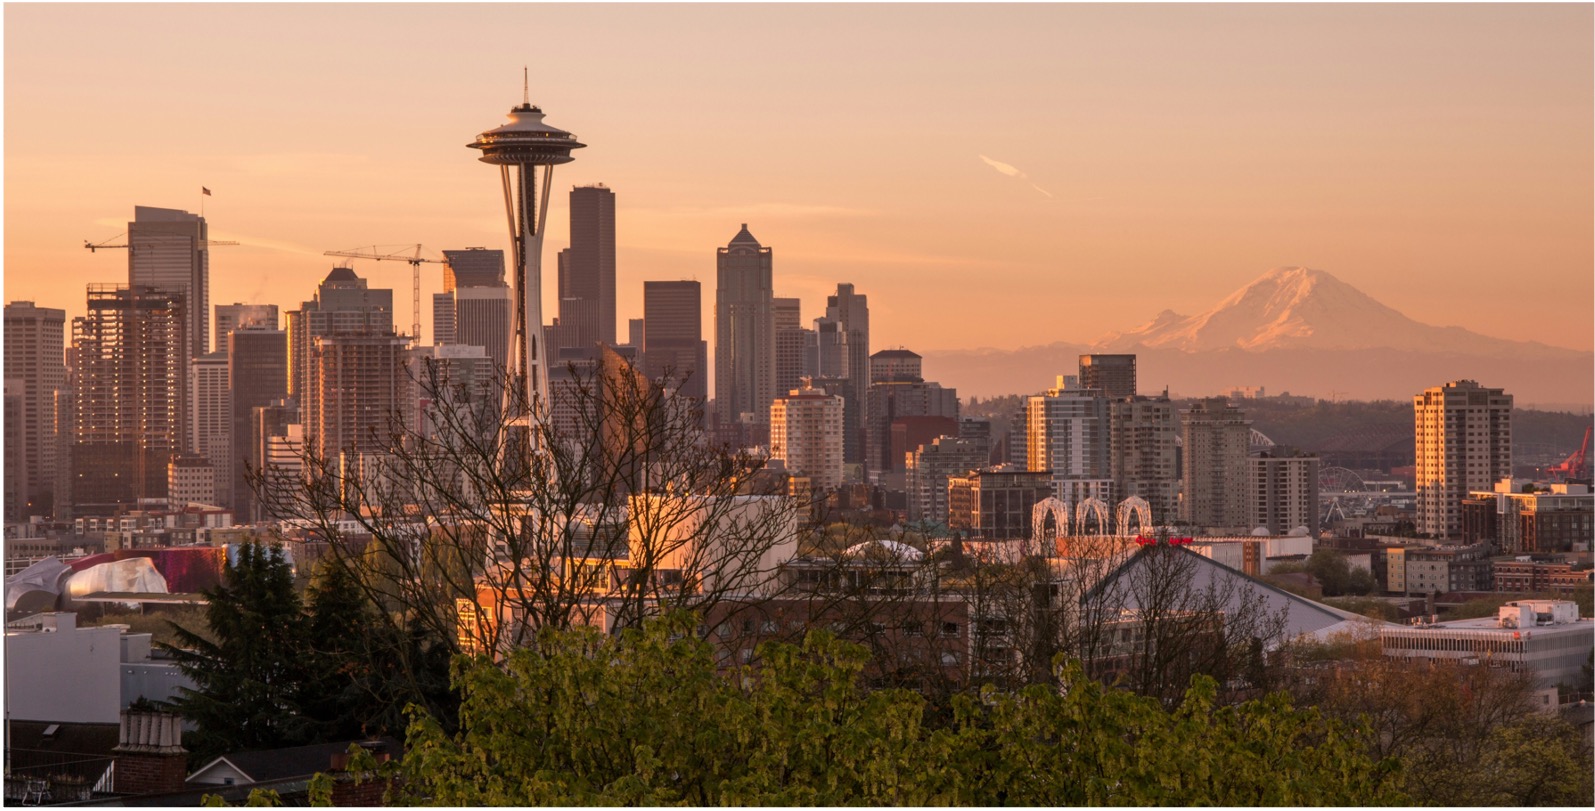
1293,329
1302,308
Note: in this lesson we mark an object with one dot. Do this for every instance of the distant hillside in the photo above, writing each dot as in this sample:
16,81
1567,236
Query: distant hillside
1307,424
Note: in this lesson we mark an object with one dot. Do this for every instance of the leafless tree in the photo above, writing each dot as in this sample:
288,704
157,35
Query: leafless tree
476,531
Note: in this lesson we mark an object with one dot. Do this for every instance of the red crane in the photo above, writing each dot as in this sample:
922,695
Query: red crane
1575,466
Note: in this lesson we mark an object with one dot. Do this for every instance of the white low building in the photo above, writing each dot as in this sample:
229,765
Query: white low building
1545,637
58,672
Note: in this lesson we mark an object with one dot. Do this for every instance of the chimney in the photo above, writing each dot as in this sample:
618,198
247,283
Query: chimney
360,789
150,758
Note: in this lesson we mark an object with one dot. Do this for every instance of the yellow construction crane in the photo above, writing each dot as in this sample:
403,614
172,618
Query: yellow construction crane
415,260
106,245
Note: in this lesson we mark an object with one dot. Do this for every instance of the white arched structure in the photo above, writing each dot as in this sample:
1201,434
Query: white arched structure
1136,506
1091,507
1038,525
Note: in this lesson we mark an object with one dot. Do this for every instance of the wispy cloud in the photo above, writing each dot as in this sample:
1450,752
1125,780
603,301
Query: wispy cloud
1011,171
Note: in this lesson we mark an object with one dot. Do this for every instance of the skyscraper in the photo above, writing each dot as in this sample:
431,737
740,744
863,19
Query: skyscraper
1113,375
276,439
889,365
929,468
806,434
850,311
672,336
587,269
35,361
1142,455
899,392
744,347
243,316
257,365
476,307
16,480
168,250
1068,435
791,343
210,425
343,304
472,267
1282,493
443,319
130,395
1216,437
484,317
825,352
358,383
1463,434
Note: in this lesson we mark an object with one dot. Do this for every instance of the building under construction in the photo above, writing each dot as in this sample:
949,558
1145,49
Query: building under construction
130,404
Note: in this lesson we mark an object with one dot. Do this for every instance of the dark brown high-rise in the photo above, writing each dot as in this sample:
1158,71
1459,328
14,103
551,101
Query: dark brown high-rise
1113,375
672,336
587,269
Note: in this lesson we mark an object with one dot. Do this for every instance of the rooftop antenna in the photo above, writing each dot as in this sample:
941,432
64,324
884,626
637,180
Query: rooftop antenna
526,85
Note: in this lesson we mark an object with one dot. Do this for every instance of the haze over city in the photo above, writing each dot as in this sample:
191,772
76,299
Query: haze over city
1025,174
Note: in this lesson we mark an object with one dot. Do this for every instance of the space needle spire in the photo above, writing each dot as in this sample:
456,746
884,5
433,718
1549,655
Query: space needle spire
520,149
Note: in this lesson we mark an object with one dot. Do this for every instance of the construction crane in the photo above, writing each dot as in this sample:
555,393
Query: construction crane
415,261
106,245
1575,466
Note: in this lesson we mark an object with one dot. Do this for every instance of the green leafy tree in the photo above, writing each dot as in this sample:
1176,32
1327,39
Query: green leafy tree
251,674
647,718
1337,576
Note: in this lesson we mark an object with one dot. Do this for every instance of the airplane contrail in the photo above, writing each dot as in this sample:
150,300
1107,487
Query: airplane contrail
1010,171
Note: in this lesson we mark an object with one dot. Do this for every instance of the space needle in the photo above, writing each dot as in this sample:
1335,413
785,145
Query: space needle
519,149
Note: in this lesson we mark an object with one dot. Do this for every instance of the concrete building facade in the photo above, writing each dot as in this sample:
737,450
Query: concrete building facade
1463,435
1067,432
343,305
1283,491
930,466
35,352
358,384
1546,638
1557,518
994,503
806,434
1216,437
210,420
1142,457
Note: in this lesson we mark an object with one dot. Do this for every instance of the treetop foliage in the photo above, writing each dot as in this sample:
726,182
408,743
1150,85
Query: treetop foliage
646,717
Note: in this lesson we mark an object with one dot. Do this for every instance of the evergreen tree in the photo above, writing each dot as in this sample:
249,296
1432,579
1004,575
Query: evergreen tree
362,670
249,682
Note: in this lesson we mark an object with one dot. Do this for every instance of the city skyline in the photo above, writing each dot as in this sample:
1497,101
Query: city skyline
1092,165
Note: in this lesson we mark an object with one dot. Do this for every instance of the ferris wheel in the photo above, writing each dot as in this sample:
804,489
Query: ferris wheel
1342,493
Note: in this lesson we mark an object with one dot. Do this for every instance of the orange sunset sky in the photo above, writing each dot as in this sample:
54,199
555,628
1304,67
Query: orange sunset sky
1439,157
